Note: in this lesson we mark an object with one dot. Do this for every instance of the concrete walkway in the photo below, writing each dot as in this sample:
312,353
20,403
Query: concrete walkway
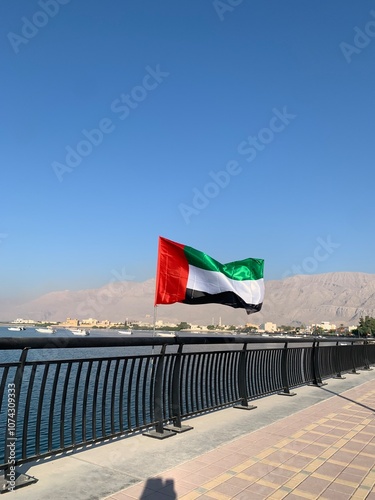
319,444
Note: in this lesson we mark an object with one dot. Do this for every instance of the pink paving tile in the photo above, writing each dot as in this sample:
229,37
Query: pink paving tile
233,460
345,458
295,446
353,446
359,474
196,478
346,476
327,440
363,461
329,469
341,489
211,471
293,496
314,485
285,473
277,479
369,448
298,461
330,494
310,436
232,486
337,432
258,470
257,489
191,466
314,449
174,474
244,495
121,496
215,455
280,456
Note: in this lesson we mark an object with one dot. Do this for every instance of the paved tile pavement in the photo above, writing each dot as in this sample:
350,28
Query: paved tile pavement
326,451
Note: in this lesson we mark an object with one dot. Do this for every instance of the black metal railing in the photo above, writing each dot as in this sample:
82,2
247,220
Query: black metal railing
54,400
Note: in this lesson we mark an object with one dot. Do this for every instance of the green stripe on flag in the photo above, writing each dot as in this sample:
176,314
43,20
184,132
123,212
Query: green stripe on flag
247,269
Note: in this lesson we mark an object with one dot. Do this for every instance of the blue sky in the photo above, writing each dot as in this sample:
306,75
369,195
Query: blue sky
243,129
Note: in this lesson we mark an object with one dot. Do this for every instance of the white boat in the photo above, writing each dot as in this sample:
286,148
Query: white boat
45,330
125,332
79,331
167,334
16,328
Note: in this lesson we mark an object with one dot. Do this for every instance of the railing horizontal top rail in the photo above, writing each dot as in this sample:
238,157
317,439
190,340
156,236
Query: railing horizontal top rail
8,343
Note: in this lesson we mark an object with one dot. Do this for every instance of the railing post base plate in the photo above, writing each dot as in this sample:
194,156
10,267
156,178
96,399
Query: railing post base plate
21,480
159,435
340,377
287,393
245,407
183,428
319,384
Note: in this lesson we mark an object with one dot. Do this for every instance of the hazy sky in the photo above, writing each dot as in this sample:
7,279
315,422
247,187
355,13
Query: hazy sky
241,128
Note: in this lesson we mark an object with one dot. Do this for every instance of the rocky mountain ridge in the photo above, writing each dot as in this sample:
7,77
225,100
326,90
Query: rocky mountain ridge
339,297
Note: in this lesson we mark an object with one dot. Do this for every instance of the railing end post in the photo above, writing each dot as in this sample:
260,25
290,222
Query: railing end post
159,434
242,406
287,393
178,428
11,481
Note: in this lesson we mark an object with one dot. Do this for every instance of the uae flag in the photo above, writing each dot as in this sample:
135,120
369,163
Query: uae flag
192,277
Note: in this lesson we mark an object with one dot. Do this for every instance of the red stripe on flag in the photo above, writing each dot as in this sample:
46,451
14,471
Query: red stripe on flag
172,272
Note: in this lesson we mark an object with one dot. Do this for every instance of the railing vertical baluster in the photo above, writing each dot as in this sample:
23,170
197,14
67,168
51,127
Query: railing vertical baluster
52,406
40,409
284,372
104,396
352,356
113,397
137,391
85,401
317,380
241,374
176,408
63,405
121,396
337,361
159,432
27,412
95,397
367,361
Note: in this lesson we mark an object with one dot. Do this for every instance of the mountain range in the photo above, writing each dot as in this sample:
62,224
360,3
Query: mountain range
339,297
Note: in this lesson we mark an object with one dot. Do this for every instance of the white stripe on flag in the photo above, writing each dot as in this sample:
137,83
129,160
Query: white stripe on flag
251,291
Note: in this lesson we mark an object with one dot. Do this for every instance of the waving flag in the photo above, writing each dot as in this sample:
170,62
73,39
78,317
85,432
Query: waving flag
192,277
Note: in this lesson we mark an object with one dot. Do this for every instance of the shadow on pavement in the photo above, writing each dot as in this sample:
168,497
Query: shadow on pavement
156,488
348,399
